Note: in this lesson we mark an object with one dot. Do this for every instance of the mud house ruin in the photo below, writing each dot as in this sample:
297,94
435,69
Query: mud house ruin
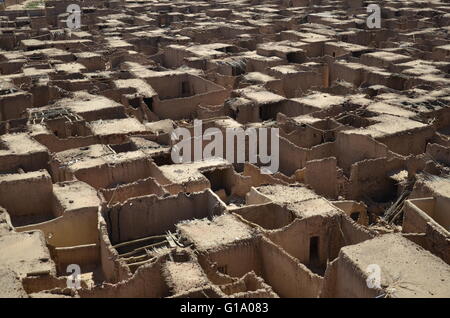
87,117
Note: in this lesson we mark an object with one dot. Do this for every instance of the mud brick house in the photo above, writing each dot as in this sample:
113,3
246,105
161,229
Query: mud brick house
359,205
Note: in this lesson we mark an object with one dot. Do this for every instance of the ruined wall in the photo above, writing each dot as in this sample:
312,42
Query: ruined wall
14,105
86,256
303,136
351,207
210,291
439,153
147,216
36,187
325,150
135,189
295,238
417,219
55,144
74,227
269,216
147,282
238,259
413,142
168,85
321,175
29,162
34,284
351,148
371,178
437,242
249,286
174,56
352,232
255,197
442,201
287,276
416,213
106,175
257,178
113,269
186,107
296,84
291,157
441,214
349,72
344,280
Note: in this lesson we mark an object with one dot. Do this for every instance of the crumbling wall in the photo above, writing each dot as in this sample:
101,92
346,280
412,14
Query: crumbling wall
269,216
138,188
86,256
174,55
352,233
286,275
238,259
249,286
114,270
14,105
417,219
351,148
186,107
412,142
36,160
74,227
146,216
321,175
370,177
291,157
255,197
37,187
305,136
295,238
147,282
356,210
349,72
55,144
439,153
416,214
34,284
344,280
325,150
106,175
257,178
210,291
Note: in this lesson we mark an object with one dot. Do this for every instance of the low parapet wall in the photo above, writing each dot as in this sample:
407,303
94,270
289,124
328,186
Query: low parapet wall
8,3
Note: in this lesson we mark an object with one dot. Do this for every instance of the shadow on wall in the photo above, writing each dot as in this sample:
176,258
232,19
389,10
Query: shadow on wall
286,276
131,231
